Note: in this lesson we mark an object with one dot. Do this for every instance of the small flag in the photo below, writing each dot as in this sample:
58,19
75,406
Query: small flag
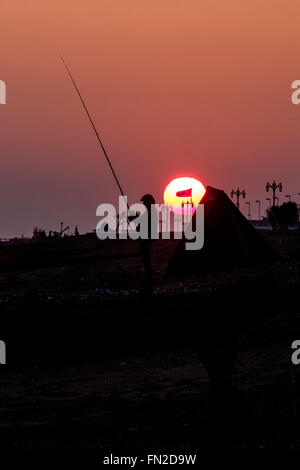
185,193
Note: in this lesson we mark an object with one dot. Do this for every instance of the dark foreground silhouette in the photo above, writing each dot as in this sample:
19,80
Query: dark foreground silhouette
205,365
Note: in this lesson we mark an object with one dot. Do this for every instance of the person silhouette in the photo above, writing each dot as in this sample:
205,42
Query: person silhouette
145,245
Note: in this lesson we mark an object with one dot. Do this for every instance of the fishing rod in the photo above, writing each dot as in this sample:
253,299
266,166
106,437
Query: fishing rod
94,128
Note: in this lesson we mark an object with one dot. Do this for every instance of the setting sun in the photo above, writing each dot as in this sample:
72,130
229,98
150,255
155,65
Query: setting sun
182,190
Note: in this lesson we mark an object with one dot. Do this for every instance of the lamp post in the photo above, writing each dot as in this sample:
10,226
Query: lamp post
274,186
258,202
238,193
268,199
249,209
289,196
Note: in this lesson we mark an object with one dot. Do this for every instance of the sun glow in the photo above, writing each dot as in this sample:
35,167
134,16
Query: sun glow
183,190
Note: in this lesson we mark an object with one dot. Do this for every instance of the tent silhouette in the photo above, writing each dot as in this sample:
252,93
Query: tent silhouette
229,240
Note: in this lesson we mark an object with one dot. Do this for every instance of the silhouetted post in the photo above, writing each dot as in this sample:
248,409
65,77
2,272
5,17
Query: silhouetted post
238,193
258,202
274,186
249,209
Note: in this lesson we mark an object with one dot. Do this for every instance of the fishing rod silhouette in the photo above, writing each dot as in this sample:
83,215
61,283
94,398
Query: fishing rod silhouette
95,130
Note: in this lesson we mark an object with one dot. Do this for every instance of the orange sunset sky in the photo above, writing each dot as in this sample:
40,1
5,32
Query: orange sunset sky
197,88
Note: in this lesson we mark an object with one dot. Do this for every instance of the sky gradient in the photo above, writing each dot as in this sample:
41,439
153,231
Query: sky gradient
197,88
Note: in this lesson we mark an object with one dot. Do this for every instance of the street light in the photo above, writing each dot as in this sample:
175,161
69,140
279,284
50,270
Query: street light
258,202
274,186
249,209
238,193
